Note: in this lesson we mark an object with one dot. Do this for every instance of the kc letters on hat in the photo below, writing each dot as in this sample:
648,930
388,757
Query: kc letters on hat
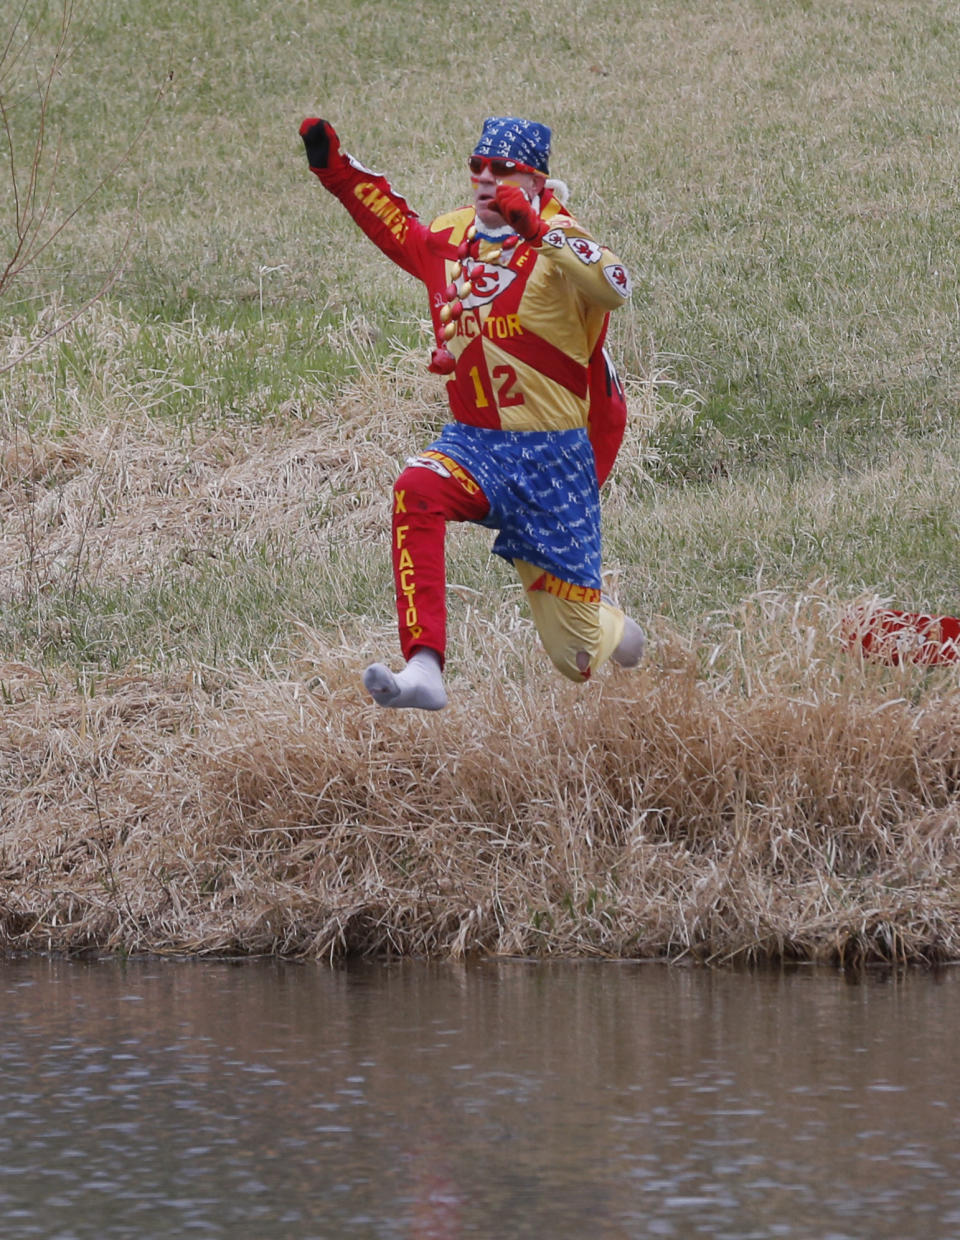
510,137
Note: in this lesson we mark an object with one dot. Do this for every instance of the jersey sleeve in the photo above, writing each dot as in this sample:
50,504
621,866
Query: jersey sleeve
599,276
384,215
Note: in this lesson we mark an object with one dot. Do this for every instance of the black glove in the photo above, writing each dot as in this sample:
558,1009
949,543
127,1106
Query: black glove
321,141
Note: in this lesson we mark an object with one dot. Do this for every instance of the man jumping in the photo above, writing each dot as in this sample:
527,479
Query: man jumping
520,297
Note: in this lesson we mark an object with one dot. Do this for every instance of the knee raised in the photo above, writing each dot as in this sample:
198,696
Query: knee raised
574,664
573,649
417,490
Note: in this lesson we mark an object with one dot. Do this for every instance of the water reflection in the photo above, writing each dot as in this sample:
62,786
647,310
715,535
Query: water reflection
161,1099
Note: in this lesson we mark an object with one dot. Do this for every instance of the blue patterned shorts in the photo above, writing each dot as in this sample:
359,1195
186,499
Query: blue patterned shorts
543,493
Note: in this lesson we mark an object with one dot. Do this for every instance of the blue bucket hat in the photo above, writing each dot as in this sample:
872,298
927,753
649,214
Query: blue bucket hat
510,137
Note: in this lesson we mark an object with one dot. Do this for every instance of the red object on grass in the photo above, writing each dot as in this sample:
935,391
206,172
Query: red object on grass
897,637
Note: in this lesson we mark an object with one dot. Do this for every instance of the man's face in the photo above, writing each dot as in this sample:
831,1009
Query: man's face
487,174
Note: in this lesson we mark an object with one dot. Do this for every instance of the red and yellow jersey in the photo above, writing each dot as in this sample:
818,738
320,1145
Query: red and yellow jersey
528,345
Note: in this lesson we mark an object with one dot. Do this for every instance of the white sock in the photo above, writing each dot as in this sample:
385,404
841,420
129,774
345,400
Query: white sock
419,685
632,644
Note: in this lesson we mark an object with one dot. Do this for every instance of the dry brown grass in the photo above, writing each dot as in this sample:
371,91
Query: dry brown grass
752,793
119,488
806,814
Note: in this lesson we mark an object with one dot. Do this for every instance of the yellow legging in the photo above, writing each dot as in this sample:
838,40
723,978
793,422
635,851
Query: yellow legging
578,636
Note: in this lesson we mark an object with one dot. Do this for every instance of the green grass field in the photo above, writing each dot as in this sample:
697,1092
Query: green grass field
779,181
195,474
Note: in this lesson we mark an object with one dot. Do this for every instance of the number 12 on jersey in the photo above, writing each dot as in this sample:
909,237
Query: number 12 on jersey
505,381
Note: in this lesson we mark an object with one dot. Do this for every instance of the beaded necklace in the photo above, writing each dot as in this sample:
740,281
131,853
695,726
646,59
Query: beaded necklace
442,361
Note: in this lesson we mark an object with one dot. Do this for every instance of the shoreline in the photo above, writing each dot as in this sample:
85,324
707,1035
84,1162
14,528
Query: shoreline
656,815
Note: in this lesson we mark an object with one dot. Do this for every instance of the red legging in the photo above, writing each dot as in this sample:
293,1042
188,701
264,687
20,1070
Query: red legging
424,500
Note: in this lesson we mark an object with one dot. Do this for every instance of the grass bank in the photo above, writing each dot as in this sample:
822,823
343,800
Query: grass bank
194,482
779,806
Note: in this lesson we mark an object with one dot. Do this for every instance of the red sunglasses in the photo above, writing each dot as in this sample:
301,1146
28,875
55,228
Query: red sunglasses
500,168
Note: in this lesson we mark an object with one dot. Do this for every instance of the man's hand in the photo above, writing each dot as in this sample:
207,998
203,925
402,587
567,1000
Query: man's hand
320,139
514,206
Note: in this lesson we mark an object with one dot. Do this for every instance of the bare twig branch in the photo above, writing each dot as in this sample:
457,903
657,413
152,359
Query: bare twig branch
104,288
33,187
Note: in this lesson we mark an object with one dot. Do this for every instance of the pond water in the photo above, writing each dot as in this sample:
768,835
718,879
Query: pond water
152,1099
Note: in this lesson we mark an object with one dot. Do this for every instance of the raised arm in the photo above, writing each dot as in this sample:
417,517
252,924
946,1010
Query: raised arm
384,215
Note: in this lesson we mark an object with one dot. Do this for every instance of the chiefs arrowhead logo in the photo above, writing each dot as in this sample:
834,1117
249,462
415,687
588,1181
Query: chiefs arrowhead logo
586,250
488,282
619,277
